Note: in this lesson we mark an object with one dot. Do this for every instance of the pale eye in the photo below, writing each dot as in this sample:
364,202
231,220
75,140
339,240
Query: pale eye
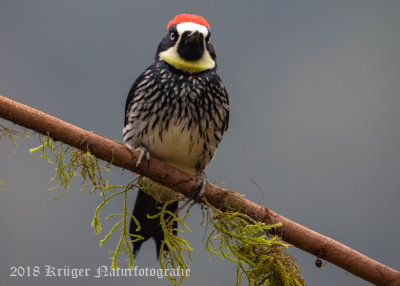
172,36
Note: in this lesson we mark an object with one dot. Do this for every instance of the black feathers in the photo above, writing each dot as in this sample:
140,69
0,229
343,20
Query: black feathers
147,205
168,41
163,95
176,116
191,46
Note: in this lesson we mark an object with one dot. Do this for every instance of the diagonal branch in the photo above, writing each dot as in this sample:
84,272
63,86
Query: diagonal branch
158,171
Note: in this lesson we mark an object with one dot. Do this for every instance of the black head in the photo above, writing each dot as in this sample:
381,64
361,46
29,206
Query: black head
187,47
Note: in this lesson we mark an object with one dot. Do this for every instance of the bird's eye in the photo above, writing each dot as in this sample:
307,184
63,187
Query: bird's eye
172,36
208,40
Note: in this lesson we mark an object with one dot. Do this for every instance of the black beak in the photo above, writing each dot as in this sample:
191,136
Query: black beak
191,46
194,38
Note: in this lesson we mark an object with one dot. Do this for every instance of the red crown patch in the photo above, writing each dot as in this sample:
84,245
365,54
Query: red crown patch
182,18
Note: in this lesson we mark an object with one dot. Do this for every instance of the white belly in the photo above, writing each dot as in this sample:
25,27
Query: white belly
181,149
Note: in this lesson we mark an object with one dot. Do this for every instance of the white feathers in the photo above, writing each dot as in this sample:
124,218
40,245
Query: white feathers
176,147
191,27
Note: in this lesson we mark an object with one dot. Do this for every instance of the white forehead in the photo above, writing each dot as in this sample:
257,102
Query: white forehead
189,26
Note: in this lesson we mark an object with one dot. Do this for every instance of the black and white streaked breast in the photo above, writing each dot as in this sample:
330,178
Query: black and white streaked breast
178,117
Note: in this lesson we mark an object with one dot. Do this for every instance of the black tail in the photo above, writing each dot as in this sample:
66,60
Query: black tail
147,205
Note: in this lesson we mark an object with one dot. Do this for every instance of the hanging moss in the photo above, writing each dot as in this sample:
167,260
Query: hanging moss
71,162
260,258
179,248
11,134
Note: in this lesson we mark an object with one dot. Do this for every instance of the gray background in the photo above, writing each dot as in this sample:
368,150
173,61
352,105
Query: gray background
314,90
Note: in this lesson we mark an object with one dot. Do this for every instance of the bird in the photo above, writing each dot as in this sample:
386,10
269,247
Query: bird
177,111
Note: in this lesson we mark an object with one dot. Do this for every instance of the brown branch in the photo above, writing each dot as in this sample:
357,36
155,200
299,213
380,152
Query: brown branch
117,154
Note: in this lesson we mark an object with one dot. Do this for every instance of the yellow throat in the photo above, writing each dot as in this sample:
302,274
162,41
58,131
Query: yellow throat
172,57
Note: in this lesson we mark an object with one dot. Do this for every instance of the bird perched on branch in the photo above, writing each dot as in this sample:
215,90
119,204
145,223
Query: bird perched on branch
177,110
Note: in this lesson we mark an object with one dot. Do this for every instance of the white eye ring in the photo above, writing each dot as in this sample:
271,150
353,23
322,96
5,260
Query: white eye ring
172,36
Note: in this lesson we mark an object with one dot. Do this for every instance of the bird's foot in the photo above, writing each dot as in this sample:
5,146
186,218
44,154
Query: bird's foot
144,153
200,184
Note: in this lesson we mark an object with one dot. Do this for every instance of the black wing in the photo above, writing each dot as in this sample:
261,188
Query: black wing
224,99
131,94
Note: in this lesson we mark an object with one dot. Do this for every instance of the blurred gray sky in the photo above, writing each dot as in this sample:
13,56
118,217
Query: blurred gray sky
314,90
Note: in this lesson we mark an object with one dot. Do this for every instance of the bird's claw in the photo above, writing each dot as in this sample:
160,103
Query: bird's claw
200,185
144,153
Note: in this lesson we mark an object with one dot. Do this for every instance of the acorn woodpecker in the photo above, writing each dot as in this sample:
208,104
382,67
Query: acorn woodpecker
177,111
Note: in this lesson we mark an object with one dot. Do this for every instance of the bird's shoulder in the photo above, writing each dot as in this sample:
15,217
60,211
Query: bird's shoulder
140,81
